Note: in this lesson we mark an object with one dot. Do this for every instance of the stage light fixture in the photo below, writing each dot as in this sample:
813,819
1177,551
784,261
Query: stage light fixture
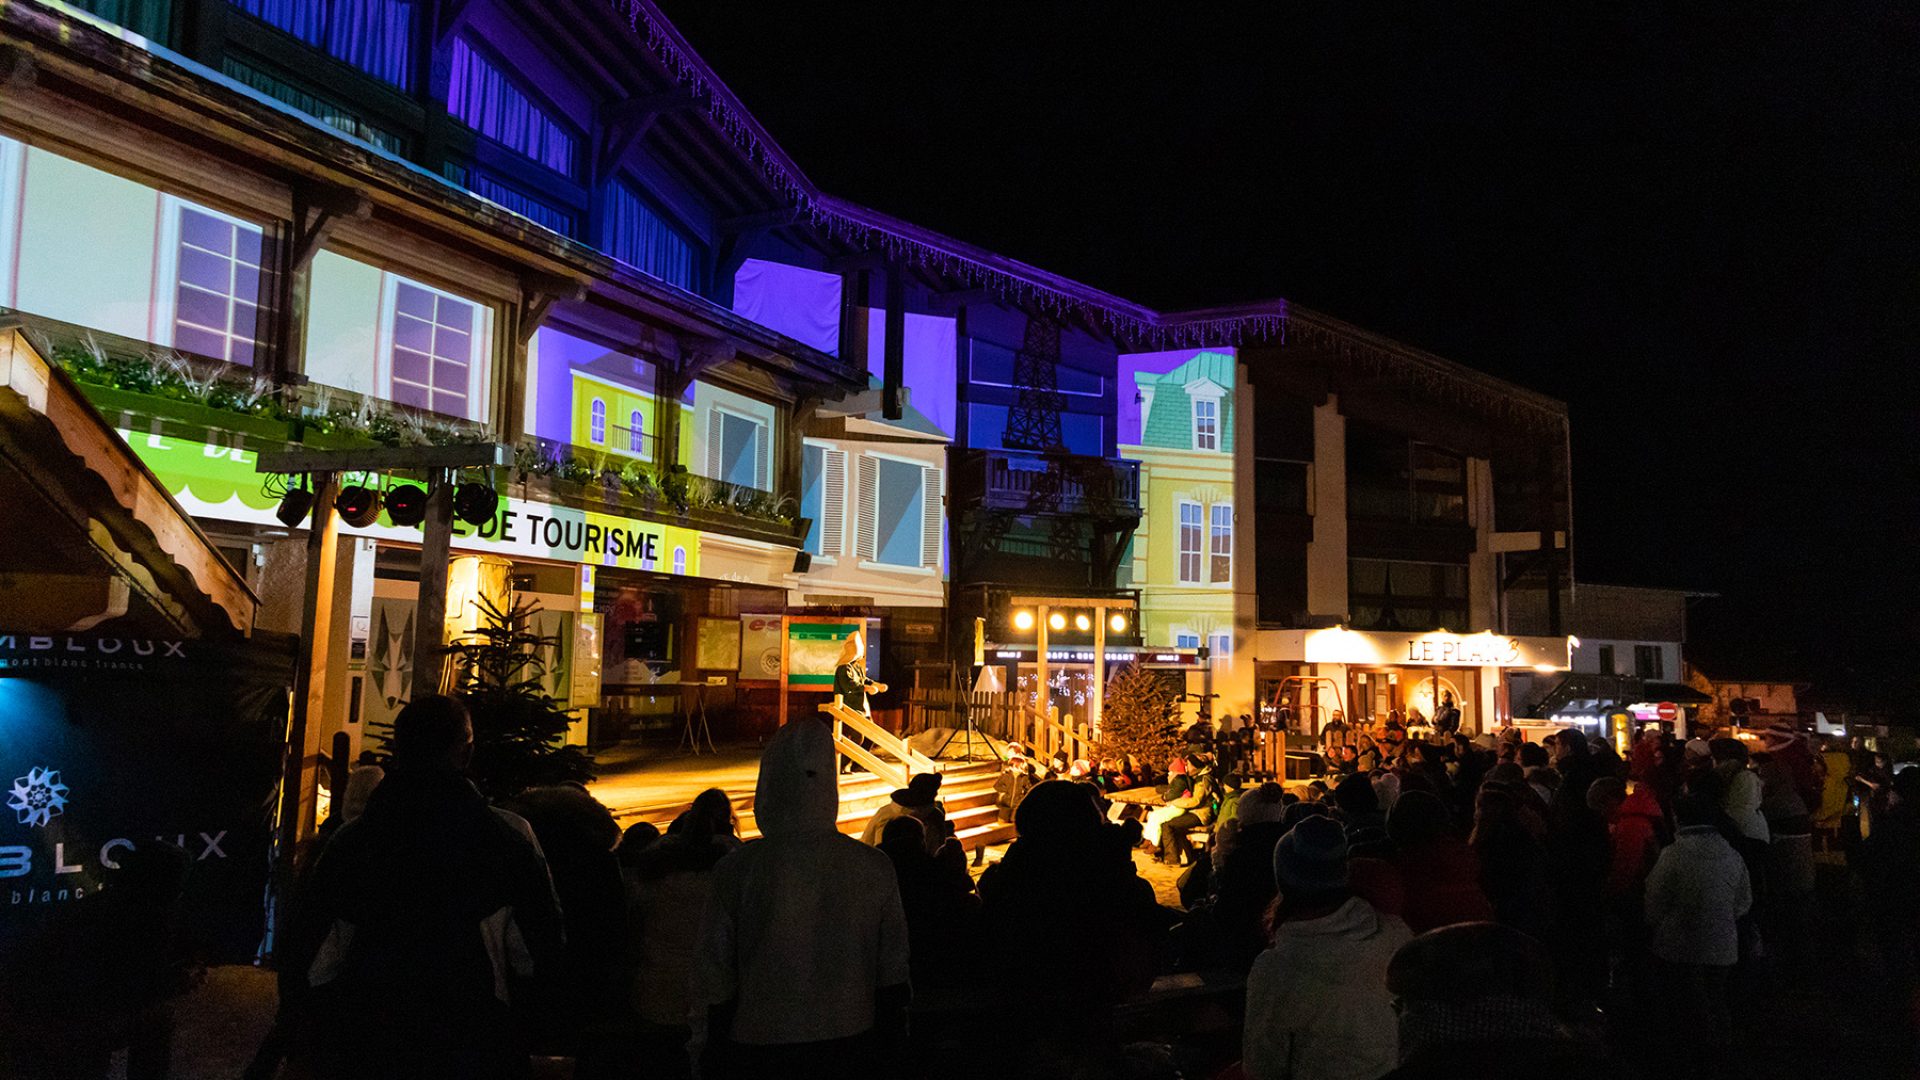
406,504
1117,623
1057,621
1023,620
1082,623
475,503
295,504
359,506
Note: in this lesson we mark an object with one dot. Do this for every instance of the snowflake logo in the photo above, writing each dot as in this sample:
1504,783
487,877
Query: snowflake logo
39,796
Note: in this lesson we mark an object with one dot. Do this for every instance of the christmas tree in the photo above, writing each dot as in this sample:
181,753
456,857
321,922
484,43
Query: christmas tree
519,730
1139,719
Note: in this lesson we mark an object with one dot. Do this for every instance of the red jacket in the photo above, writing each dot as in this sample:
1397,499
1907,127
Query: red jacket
1635,832
1441,882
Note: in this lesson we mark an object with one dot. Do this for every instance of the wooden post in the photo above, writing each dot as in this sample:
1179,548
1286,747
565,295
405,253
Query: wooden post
1041,695
894,363
1097,701
296,804
430,615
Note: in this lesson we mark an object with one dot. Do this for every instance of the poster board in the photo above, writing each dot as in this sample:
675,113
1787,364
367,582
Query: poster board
717,647
761,641
813,650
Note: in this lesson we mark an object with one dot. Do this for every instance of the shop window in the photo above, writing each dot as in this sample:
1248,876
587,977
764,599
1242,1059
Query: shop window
1648,663
737,448
1190,530
640,236
432,360
1221,543
375,36
636,432
823,498
488,101
597,422
899,512
1206,424
216,283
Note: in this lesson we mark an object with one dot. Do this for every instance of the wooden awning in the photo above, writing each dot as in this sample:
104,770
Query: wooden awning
89,538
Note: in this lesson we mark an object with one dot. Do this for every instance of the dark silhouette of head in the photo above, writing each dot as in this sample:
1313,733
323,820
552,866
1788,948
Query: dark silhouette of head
433,734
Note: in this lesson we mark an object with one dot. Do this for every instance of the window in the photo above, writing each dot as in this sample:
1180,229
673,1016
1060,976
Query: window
486,100
1206,424
597,422
431,363
1606,661
1222,543
1183,639
1190,542
1220,645
640,237
314,105
823,498
736,449
150,19
534,210
12,157
679,560
636,433
1649,662
1395,595
899,513
992,365
375,36
216,292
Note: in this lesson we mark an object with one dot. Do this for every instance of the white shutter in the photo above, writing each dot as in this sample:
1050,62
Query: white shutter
833,501
932,517
762,465
866,517
716,433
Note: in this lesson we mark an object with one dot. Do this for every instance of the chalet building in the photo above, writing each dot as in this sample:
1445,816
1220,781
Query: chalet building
1628,659
729,397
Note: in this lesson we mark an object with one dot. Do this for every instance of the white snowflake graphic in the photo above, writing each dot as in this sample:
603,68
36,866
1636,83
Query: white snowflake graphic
39,796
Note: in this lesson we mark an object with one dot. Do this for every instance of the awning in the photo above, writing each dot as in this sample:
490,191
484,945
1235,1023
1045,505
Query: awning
90,539
1678,693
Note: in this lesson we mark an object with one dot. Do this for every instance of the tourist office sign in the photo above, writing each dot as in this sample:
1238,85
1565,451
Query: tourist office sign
1434,649
219,483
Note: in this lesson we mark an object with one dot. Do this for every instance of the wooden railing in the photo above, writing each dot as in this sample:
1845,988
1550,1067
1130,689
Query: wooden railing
1053,731
906,760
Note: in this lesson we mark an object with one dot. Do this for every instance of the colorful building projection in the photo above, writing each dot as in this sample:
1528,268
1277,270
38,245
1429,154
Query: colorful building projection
1175,417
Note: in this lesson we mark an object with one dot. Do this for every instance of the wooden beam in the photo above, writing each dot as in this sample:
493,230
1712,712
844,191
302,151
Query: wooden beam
330,206
625,123
430,615
17,69
378,459
761,222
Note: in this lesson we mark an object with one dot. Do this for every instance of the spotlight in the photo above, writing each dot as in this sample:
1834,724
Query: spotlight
1057,621
295,504
359,506
1023,620
1117,623
475,504
406,504
1082,623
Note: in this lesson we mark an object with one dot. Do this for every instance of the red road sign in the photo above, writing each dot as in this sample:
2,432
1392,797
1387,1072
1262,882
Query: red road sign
1667,711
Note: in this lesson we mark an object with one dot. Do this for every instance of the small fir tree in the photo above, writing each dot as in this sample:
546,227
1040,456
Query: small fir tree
519,730
1140,719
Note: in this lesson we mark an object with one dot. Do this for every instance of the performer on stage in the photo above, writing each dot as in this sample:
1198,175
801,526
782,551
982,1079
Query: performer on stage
851,685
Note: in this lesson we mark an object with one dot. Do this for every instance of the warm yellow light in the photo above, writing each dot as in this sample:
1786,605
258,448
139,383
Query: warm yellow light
1057,621
1023,620
1082,623
1117,623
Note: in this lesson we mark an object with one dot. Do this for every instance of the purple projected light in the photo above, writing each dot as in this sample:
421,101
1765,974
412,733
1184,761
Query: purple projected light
487,100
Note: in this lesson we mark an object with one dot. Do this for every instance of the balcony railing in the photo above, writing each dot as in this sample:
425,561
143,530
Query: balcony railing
1048,483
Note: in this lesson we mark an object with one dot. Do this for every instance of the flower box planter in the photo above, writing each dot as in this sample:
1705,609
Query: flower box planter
652,506
113,402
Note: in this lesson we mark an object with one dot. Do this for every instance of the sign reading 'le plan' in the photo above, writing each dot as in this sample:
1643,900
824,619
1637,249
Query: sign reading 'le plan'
1482,649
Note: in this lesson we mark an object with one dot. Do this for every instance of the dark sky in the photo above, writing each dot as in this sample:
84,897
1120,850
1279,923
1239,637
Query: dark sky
1694,223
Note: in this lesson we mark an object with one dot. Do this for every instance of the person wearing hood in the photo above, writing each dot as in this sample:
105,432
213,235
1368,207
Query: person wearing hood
420,917
941,908
1358,809
802,964
1477,999
919,799
668,883
1068,879
1696,894
1317,1000
1439,873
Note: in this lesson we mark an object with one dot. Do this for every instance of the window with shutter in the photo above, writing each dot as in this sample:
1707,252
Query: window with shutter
833,503
716,421
931,518
867,510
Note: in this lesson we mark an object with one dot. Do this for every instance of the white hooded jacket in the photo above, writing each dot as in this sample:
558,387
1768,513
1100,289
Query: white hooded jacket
803,926
1317,1001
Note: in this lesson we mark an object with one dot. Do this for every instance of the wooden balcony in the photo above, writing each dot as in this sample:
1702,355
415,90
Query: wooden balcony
1033,483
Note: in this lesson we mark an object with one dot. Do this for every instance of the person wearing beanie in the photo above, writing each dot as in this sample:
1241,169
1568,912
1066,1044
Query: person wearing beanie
1243,876
1477,999
1317,1000
1439,874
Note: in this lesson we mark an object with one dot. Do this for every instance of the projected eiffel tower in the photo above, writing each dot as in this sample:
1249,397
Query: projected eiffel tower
1033,423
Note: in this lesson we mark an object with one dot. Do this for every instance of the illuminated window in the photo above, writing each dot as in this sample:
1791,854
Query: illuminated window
737,449
899,515
375,36
1222,543
636,433
216,284
432,358
597,422
1190,540
1206,424
1220,645
679,560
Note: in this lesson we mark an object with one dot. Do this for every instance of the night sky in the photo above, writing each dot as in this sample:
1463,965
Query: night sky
1697,227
